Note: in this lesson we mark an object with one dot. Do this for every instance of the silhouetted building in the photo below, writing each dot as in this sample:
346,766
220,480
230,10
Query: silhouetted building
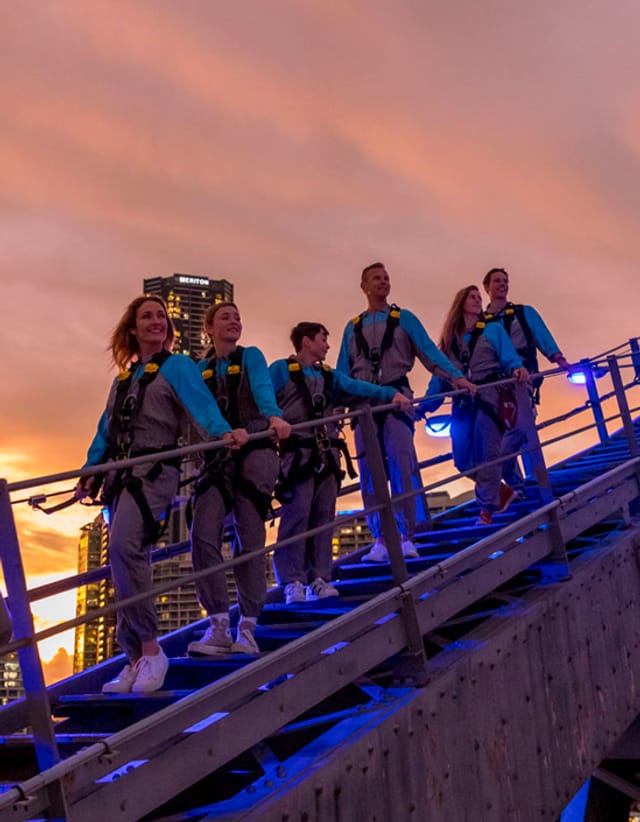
187,298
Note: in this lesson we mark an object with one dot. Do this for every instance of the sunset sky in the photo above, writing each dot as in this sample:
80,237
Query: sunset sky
283,145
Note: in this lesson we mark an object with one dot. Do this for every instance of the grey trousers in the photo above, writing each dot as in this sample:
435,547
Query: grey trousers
523,436
396,438
129,559
487,446
313,504
207,532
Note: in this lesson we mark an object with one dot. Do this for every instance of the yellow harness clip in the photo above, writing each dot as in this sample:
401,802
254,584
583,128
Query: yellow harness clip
207,374
233,369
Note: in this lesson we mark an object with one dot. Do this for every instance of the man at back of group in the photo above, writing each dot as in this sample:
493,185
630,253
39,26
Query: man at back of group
380,346
529,334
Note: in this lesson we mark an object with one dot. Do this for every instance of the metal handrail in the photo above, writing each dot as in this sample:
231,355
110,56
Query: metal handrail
68,583
397,599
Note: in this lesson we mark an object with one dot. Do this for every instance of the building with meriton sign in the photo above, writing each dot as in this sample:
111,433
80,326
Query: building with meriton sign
187,297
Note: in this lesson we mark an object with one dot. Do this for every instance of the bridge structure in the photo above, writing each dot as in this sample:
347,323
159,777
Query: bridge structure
494,677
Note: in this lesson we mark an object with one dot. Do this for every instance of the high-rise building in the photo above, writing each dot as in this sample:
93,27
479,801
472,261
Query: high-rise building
187,298
11,687
94,641
354,534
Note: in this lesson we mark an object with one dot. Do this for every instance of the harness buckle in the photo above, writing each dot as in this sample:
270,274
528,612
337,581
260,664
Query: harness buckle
375,357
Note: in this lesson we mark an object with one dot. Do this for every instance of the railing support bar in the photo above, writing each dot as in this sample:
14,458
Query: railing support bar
416,656
635,356
627,425
38,707
594,400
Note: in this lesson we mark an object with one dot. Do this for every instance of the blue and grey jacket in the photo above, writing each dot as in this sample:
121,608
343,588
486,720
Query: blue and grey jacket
176,396
410,341
493,357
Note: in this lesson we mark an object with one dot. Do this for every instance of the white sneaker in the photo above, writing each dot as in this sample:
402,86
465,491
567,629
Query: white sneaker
409,549
245,640
320,589
150,673
294,592
122,683
378,553
216,639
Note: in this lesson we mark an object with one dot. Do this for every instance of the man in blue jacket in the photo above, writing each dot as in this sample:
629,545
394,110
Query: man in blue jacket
380,346
529,334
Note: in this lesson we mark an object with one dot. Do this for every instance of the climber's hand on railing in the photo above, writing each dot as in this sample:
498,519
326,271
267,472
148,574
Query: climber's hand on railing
279,428
401,402
460,383
236,439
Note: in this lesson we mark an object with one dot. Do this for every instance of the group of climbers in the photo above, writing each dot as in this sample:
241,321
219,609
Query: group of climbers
234,394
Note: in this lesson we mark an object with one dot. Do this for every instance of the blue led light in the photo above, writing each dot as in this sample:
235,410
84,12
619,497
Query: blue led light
438,425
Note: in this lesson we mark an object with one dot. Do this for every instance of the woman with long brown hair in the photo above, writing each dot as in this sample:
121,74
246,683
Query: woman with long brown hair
484,353
150,401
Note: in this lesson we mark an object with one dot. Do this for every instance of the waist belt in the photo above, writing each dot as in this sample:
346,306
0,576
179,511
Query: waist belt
401,382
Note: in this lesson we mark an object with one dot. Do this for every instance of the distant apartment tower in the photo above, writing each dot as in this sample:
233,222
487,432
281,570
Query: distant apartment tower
354,534
11,686
351,535
187,298
95,640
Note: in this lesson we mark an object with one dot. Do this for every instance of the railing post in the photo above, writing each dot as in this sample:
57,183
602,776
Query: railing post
635,356
594,400
413,667
623,405
37,699
627,425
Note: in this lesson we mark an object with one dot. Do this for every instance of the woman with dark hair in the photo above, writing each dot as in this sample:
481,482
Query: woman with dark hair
484,353
155,394
238,378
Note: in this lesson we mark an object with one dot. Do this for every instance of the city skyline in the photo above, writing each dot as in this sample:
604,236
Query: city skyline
282,148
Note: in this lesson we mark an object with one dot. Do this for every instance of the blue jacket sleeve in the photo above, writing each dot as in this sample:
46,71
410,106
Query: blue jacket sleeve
185,378
98,447
502,345
426,350
279,373
361,388
541,334
343,357
431,402
260,382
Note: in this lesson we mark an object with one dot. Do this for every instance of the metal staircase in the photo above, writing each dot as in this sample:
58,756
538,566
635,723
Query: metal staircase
342,715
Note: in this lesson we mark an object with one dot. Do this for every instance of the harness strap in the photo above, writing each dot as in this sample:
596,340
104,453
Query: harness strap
375,354
152,528
127,406
315,409
229,400
529,353
464,354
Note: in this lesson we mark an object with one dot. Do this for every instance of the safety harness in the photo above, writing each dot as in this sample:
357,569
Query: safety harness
528,354
505,416
323,460
223,469
374,354
120,444
464,355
